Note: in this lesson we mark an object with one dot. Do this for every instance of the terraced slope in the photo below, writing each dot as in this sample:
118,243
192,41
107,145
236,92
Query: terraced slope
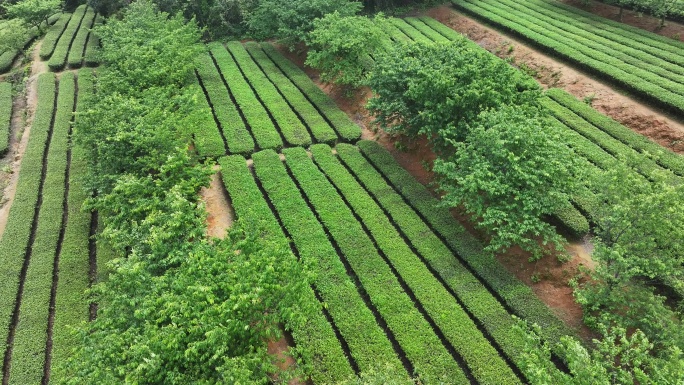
648,65
262,101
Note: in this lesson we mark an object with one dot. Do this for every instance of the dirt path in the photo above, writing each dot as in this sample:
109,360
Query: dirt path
220,214
672,29
660,127
22,118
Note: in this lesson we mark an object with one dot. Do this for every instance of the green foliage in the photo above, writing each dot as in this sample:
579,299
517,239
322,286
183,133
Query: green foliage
13,35
91,55
146,49
437,90
5,115
656,75
345,127
508,174
639,239
617,358
33,12
291,21
340,47
206,321
107,7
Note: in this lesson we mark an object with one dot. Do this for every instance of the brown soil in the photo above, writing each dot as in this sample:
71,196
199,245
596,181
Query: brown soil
672,29
220,216
22,118
283,360
549,72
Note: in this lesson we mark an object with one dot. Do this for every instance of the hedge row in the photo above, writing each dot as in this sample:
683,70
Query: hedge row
663,157
410,31
628,77
78,47
71,301
7,58
368,344
235,132
292,129
52,37
518,296
30,338
600,138
207,139
610,29
396,34
570,30
5,116
264,130
587,49
485,362
91,56
320,129
317,336
431,360
426,30
345,127
14,242
617,38
59,56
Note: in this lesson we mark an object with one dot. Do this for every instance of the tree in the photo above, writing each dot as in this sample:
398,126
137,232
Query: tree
618,358
508,174
340,47
34,12
291,21
639,241
663,8
13,35
438,89
207,321
107,7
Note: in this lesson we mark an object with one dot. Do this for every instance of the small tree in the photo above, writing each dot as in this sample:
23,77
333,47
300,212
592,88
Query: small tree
33,12
639,240
438,89
508,174
13,35
618,358
341,47
291,21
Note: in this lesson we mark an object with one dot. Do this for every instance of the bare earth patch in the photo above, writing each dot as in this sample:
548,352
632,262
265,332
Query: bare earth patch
660,127
220,214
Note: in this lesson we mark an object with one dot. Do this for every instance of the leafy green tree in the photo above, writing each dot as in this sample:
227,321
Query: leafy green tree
663,8
13,35
108,7
617,358
438,89
207,321
33,12
508,174
639,241
341,47
291,21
